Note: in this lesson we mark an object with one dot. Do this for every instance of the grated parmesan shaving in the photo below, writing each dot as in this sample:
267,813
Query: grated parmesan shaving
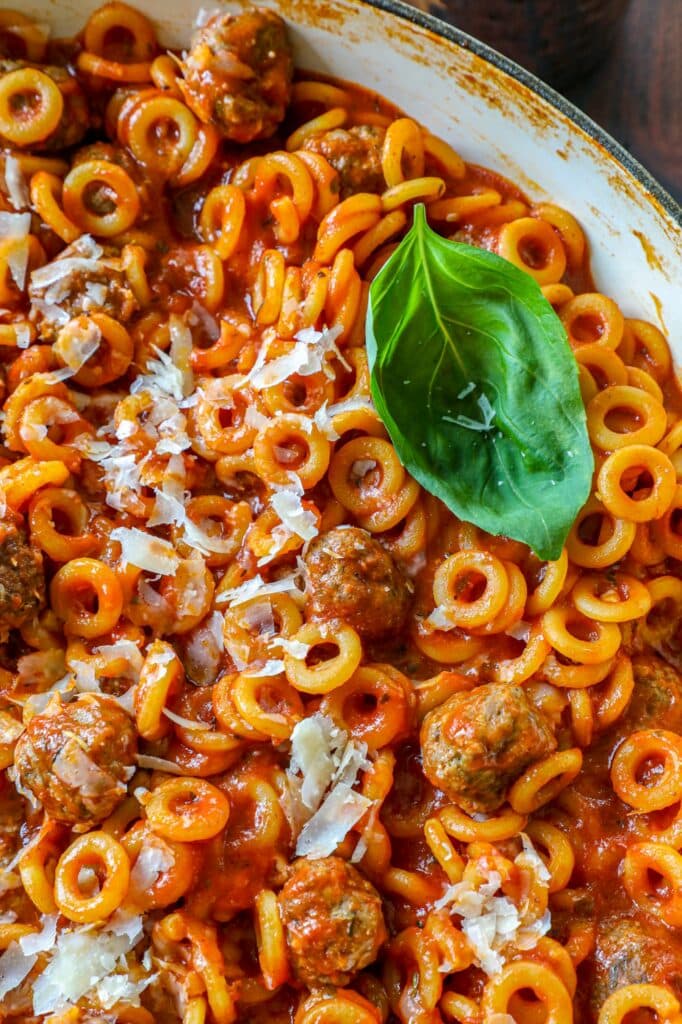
77,343
17,189
324,761
146,551
490,921
309,354
257,587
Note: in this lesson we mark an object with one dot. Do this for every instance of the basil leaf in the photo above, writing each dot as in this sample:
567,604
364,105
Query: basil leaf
475,381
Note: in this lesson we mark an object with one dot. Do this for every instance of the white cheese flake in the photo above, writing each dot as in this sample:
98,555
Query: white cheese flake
146,551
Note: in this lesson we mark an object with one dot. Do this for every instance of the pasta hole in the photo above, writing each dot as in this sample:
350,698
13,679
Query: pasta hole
637,482
293,452
649,771
99,198
587,328
90,878
582,629
228,418
595,529
12,46
118,44
657,884
469,586
534,253
320,653
62,522
25,104
295,392
622,420
676,521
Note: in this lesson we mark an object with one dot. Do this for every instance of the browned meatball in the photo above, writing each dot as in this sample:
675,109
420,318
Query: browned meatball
237,75
22,583
633,951
356,154
352,578
77,758
74,120
476,744
657,695
93,281
333,921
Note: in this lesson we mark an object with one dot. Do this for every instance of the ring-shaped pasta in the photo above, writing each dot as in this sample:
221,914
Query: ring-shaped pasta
527,663
533,245
22,37
161,677
87,595
446,647
646,769
472,587
512,609
545,584
356,214
222,218
222,416
599,640
665,529
522,975
36,868
645,347
613,537
108,859
31,106
173,879
640,417
119,32
604,365
113,356
559,858
616,598
161,133
291,444
268,704
322,676
270,940
373,705
276,614
630,998
416,189
610,700
364,474
506,824
187,810
336,117
644,865
621,472
46,191
402,152
100,198
544,780
459,208
570,232
592,317
71,539
343,1007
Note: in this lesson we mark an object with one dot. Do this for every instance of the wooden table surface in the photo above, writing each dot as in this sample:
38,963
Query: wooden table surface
635,93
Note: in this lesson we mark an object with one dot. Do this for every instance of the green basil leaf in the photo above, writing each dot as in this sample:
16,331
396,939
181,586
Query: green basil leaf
477,386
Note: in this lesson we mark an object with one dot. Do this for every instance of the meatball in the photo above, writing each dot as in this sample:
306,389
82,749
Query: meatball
77,758
333,921
22,583
237,75
356,154
74,120
476,744
633,951
349,576
93,281
657,695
